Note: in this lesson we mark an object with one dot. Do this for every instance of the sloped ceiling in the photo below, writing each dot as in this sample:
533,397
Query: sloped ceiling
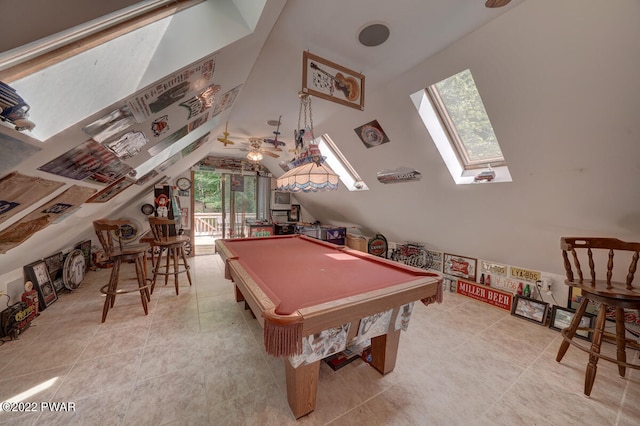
559,80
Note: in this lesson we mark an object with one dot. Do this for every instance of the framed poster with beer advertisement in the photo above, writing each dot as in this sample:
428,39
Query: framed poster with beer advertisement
460,266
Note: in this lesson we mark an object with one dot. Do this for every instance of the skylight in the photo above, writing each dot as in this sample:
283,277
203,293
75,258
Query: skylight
339,164
457,120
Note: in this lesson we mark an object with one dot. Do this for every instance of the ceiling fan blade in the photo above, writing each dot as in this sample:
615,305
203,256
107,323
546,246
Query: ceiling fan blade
270,154
496,3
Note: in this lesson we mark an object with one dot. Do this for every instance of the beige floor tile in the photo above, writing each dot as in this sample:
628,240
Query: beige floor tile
198,358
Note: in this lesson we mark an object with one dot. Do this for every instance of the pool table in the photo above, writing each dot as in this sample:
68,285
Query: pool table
299,288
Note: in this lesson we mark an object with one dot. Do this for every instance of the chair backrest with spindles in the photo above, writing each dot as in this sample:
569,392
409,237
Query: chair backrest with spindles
160,227
601,253
103,229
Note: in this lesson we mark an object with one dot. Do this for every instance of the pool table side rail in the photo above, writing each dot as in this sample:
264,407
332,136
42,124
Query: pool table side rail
283,333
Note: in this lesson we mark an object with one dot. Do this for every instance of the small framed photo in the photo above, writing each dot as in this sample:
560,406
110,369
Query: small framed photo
530,309
38,274
294,213
333,82
562,317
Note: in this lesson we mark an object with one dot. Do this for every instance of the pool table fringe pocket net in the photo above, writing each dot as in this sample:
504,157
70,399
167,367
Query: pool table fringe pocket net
282,333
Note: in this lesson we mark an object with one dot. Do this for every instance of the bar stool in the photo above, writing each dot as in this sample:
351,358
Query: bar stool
612,296
104,229
175,258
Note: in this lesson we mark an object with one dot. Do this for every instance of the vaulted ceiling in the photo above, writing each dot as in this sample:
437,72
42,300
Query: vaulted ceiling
559,81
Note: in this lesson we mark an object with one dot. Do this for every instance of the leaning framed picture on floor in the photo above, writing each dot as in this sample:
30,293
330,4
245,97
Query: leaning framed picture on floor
562,317
530,309
38,274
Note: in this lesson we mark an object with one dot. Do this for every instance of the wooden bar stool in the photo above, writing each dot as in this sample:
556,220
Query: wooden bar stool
175,258
612,296
117,254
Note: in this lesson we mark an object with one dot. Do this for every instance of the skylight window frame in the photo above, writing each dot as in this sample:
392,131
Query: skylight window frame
339,164
433,94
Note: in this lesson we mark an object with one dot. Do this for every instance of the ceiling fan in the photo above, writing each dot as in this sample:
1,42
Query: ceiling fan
225,140
256,151
496,3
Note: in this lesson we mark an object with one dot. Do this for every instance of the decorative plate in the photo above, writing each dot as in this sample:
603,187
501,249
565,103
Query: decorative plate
147,209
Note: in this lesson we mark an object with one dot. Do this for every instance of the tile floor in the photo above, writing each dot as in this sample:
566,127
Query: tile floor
197,359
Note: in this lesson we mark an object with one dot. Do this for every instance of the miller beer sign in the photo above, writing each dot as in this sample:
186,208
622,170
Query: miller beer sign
497,298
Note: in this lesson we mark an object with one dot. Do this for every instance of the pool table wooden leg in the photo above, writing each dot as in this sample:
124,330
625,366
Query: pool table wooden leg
384,350
302,387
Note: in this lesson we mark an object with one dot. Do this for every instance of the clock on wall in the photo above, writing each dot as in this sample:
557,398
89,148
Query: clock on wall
183,183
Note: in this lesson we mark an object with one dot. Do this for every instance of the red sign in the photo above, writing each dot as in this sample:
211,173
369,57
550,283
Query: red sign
499,299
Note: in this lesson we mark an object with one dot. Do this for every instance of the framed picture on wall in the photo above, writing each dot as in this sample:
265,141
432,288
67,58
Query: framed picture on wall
38,274
333,82
460,266
562,317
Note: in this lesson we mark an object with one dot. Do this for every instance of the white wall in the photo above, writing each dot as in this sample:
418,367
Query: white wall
560,83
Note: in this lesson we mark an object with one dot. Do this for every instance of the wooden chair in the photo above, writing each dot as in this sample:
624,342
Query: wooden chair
117,254
175,258
600,288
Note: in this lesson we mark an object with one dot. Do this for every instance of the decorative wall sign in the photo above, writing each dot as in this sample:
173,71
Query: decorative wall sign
202,101
333,82
165,92
109,126
73,269
128,145
226,100
412,254
436,260
378,246
85,248
401,174
17,192
13,151
54,266
371,134
38,274
128,231
43,216
493,268
111,191
524,274
88,160
491,296
459,266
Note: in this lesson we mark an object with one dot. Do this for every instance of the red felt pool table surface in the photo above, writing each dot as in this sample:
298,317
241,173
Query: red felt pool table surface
297,271
298,286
